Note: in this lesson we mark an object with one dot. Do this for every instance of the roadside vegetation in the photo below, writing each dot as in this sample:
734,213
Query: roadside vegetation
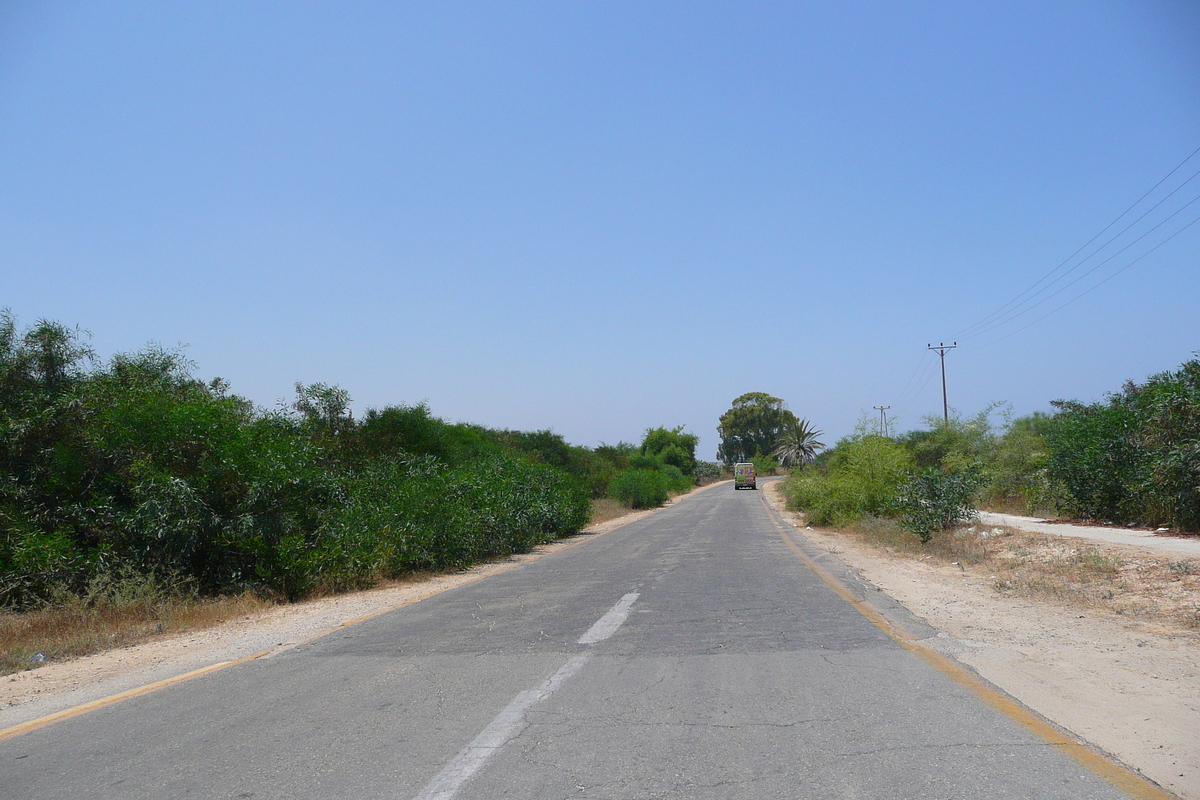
664,465
1133,459
1146,587
137,498
136,467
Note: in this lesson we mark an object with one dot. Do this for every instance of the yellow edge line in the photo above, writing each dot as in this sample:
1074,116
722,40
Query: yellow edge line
50,719
1123,778
34,724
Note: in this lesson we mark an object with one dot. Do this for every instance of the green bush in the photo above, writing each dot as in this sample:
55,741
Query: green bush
1016,473
672,447
641,488
933,500
1133,458
826,499
677,481
953,444
1093,453
136,468
418,514
33,563
861,477
1136,457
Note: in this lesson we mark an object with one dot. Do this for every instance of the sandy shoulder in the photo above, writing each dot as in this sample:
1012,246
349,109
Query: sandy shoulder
1131,689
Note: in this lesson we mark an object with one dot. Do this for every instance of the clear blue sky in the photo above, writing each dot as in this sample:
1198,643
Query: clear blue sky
598,217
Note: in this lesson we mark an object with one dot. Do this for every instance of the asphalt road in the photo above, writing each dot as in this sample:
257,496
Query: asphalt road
690,654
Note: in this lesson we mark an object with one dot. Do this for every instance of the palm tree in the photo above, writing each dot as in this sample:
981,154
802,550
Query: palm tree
797,443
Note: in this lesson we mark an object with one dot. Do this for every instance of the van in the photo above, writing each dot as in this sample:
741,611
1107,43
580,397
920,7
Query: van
744,476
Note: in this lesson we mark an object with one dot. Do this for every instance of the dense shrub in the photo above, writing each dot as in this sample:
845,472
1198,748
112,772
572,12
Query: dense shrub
653,471
933,500
676,481
955,443
859,478
673,447
764,465
135,467
641,488
1016,474
406,515
1135,457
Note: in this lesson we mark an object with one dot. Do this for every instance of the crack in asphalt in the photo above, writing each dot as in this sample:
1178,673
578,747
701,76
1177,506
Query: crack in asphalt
949,746
559,719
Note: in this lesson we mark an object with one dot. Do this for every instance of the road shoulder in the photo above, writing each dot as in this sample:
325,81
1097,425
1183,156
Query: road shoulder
1181,545
1130,689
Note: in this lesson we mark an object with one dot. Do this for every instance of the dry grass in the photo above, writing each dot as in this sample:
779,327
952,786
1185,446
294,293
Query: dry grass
1124,581
1008,505
606,509
84,627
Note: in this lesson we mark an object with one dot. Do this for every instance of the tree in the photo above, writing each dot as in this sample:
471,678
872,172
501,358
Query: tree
325,408
325,413
797,444
752,426
672,446
40,365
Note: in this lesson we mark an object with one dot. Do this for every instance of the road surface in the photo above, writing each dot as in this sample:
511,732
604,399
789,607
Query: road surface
691,654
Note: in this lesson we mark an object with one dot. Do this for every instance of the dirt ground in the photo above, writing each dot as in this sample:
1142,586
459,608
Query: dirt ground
1129,685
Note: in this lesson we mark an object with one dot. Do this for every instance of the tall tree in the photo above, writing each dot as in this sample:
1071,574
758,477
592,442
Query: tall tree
752,426
797,443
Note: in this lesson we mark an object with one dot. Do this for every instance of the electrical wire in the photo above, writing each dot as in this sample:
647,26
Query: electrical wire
928,376
973,329
1098,285
927,367
1098,266
912,378
1015,313
1024,303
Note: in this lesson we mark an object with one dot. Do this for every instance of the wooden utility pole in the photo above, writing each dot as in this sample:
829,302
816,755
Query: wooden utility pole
941,351
883,430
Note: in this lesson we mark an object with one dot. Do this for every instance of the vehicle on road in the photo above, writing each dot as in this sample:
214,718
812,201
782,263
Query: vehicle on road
744,476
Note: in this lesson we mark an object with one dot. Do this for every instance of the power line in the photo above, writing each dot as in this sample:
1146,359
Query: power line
1015,313
1028,300
1093,288
928,377
926,369
930,368
975,328
1098,266
917,373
